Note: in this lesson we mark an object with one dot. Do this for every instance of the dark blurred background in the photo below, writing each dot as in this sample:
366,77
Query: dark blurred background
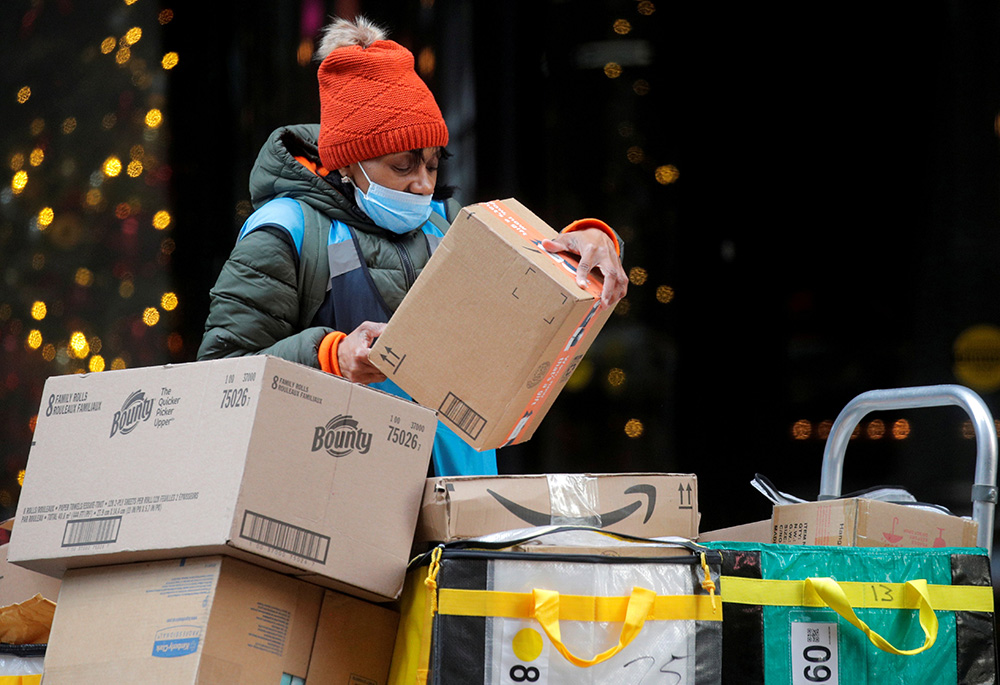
809,198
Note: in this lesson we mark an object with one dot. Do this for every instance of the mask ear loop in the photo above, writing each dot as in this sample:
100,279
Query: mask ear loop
367,177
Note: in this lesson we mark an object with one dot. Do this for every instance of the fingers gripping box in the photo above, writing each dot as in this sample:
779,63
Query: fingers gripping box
494,326
254,457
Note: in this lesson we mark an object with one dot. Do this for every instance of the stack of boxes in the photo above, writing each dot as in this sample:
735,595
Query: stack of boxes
214,521
250,520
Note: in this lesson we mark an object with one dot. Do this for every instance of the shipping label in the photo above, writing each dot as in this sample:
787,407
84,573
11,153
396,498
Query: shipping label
814,653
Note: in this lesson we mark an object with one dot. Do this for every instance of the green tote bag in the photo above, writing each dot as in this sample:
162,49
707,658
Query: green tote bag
800,615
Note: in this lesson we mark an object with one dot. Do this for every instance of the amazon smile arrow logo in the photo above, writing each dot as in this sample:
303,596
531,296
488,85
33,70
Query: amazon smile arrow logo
538,518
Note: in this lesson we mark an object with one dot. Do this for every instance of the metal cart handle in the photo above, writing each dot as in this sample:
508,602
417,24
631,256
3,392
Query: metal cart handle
984,489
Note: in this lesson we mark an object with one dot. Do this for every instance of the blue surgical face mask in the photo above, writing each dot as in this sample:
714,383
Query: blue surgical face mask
393,210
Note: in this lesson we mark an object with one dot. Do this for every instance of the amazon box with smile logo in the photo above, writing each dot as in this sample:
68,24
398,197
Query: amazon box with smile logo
646,505
493,327
255,457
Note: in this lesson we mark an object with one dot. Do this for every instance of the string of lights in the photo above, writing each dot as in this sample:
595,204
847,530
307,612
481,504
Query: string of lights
85,214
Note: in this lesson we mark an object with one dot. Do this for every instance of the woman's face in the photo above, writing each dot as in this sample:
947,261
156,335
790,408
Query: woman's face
414,171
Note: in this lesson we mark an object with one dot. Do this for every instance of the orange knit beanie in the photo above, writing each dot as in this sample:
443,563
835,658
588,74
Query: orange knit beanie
373,103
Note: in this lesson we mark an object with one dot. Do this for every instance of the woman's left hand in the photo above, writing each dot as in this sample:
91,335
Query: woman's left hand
596,251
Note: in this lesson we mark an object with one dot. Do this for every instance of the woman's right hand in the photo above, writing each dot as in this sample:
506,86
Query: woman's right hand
352,354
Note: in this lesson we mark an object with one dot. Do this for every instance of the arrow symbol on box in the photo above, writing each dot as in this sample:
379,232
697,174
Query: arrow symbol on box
681,490
390,362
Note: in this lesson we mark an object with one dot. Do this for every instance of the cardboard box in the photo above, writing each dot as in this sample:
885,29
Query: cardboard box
758,531
856,522
255,457
354,642
204,620
642,504
493,327
19,584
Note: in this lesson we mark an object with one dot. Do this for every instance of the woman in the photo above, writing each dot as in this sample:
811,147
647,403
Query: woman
347,214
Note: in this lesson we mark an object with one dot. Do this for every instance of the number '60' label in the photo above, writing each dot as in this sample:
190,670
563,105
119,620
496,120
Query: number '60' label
814,653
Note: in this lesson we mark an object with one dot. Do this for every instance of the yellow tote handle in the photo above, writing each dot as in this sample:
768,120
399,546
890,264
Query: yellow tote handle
640,604
830,592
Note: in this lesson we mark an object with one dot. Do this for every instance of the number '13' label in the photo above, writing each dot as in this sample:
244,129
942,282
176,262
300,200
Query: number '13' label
814,653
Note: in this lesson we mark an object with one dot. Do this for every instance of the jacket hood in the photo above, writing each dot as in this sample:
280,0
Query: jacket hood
276,173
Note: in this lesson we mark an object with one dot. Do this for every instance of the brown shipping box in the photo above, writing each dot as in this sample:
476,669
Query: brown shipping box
354,642
494,326
255,457
202,620
641,504
757,531
857,522
19,584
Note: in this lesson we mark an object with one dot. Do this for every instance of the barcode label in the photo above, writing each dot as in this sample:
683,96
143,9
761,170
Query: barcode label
97,531
815,654
285,537
462,415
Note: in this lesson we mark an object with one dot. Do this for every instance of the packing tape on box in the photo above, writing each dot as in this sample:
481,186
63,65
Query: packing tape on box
572,498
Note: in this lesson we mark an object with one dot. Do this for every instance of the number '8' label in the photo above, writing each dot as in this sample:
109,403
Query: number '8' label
524,657
814,653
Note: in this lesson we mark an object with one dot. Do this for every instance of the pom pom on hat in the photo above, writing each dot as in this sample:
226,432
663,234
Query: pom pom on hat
372,102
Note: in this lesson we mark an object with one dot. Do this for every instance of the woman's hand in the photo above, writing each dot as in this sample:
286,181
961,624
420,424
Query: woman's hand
596,251
352,354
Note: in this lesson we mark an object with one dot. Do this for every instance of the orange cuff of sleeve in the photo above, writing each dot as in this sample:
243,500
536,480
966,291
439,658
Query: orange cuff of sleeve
328,352
581,224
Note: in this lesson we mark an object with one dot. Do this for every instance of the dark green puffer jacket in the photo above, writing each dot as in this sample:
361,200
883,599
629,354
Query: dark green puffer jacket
266,297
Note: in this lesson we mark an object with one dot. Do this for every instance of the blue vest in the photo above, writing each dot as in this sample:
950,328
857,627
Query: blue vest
352,298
